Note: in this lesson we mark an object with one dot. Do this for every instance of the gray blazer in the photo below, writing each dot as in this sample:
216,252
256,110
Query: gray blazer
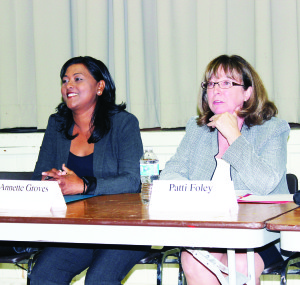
116,161
257,158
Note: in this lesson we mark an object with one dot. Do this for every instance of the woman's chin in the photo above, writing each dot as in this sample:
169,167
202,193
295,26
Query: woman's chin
219,111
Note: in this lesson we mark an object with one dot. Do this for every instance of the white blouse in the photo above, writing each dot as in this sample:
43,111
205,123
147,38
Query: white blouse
222,171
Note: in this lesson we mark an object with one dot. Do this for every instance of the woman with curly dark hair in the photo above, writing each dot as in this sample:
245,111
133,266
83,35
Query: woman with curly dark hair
91,146
235,138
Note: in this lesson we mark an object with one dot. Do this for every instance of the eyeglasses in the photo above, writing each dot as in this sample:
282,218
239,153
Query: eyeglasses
225,84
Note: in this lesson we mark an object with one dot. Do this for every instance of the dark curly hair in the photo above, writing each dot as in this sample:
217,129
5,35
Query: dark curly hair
257,109
105,106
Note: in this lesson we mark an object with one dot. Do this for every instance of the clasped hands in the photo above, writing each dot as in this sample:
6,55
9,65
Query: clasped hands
69,182
227,124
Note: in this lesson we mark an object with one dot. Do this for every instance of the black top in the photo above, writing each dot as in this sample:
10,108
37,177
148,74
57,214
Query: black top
81,165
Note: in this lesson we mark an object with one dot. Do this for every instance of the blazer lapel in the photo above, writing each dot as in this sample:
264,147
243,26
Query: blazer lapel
64,146
99,151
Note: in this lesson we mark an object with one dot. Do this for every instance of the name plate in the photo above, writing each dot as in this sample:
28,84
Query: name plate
31,195
192,199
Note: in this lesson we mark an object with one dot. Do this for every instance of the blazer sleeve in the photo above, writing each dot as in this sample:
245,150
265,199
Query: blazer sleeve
119,170
260,158
177,167
47,158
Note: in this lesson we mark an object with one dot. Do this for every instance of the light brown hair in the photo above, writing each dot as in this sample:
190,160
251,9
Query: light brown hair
257,109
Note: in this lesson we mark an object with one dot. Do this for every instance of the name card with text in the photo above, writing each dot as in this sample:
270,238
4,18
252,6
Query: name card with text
31,195
192,199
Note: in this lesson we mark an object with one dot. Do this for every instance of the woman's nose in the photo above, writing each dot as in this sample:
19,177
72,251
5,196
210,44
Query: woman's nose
70,85
216,87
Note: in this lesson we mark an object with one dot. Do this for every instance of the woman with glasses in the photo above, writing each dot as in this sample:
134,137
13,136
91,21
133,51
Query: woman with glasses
237,136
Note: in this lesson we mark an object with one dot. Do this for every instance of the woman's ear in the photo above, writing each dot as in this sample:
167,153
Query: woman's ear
248,93
100,87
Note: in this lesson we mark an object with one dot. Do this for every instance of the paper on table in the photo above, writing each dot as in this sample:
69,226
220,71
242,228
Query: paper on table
192,199
74,198
44,197
271,199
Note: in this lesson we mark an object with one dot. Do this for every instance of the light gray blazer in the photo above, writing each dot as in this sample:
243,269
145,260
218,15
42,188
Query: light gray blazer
257,158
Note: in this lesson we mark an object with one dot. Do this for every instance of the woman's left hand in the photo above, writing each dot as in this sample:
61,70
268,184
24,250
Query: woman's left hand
227,125
70,183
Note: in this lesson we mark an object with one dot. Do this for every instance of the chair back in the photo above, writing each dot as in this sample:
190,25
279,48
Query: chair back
15,175
292,182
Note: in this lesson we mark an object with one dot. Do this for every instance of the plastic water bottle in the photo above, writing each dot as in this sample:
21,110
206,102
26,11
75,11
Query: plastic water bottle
149,167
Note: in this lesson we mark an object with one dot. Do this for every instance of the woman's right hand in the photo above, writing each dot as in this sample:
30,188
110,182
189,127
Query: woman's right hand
227,124
69,182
